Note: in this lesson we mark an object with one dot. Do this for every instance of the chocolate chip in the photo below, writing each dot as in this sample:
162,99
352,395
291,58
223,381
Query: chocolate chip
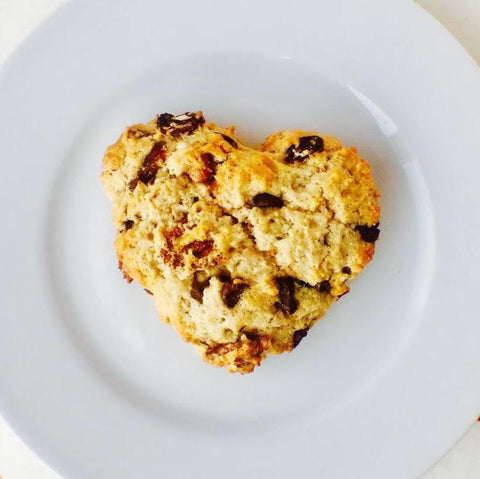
199,248
298,336
232,292
163,120
251,335
306,146
286,295
184,124
346,270
207,174
224,276
128,224
324,286
229,140
199,282
368,233
266,200
150,166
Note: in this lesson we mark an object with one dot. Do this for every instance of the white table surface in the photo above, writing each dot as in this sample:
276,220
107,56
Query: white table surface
19,17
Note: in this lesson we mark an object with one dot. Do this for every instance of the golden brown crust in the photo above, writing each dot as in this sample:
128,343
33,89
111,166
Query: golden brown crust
242,249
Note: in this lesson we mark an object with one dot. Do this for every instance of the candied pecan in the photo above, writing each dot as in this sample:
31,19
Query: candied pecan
298,336
199,249
368,233
150,166
306,146
199,282
266,200
286,295
232,291
207,174
184,124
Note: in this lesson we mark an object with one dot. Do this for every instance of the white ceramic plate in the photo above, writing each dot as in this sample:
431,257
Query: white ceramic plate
97,386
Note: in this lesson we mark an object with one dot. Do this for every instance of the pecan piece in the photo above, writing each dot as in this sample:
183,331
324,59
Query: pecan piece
184,124
266,200
232,291
306,146
286,295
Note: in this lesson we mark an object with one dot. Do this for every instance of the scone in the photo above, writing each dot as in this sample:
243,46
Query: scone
242,249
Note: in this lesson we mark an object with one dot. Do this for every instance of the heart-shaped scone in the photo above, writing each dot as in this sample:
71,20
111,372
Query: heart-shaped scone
242,249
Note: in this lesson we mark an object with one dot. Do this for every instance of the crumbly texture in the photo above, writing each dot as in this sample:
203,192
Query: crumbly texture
242,249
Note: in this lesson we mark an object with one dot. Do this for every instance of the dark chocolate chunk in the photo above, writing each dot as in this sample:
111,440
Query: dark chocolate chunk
286,295
306,146
199,282
232,292
266,200
184,124
251,335
224,276
128,224
324,286
368,233
298,336
207,174
346,270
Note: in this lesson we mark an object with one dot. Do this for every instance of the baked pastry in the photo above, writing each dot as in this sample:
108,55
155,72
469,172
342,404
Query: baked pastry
242,249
